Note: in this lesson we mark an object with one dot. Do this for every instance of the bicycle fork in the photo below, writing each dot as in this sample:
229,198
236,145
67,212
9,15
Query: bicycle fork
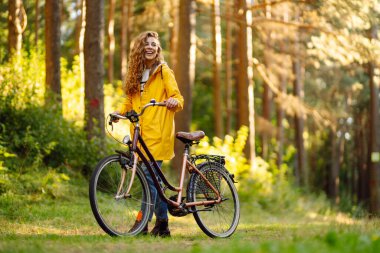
119,194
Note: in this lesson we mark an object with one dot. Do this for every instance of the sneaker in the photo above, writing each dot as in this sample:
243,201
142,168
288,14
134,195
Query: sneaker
137,224
161,228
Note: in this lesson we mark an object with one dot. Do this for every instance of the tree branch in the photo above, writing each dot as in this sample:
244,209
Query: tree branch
259,21
297,107
304,26
263,5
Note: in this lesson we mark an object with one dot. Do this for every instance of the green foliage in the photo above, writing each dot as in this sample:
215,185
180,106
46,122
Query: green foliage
232,149
4,177
22,81
43,182
203,114
3,31
39,135
52,183
264,184
72,92
39,148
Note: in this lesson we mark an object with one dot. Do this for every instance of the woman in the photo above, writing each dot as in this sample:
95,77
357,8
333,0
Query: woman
149,77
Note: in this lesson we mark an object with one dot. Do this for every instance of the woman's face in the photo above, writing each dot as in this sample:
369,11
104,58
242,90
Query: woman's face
151,49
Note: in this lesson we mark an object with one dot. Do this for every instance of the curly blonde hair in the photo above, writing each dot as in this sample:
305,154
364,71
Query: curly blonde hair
136,63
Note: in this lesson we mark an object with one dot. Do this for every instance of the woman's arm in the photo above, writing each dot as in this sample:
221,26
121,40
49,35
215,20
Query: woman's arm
126,106
172,90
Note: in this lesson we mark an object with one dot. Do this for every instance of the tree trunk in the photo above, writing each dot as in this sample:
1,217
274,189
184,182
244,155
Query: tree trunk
266,117
64,14
36,23
299,122
123,44
280,118
357,152
266,92
242,76
362,146
126,24
374,138
173,31
245,105
81,40
130,25
334,170
78,26
228,68
251,95
217,61
111,39
16,25
282,88
185,71
53,52
94,72
354,172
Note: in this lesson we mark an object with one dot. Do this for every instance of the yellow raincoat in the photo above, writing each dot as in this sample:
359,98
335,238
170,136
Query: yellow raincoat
157,123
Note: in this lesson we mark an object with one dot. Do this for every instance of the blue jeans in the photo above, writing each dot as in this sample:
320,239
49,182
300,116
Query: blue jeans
160,207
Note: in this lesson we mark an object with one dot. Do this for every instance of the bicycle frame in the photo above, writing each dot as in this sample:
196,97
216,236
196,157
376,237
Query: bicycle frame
137,152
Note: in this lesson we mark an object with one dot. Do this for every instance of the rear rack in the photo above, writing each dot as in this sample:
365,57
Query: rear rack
198,159
209,158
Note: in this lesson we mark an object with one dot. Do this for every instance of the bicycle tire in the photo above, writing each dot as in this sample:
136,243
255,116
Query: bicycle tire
117,217
217,220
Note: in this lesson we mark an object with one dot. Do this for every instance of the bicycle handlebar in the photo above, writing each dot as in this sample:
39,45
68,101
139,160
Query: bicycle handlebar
152,103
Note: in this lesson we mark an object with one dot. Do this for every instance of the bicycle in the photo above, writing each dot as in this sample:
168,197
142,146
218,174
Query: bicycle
119,191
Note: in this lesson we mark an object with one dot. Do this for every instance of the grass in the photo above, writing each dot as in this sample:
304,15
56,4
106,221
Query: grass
32,224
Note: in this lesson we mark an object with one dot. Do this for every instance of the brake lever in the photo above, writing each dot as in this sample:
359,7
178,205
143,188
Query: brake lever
111,122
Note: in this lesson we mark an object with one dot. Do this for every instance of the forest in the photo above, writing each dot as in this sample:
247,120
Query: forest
287,90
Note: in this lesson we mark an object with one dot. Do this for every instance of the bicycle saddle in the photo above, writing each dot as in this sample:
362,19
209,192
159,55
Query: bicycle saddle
186,137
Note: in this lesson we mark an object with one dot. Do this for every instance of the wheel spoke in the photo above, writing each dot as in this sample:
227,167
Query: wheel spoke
117,216
222,220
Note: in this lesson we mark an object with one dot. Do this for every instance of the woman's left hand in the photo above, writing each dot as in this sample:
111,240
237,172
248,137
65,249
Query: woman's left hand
171,103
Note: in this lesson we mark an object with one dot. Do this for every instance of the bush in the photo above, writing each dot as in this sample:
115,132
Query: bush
257,181
238,164
40,140
39,149
264,184
4,177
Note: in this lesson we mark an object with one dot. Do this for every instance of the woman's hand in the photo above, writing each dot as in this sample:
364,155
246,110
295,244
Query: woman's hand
171,103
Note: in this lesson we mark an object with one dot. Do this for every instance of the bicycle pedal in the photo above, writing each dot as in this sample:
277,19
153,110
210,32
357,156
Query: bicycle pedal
178,211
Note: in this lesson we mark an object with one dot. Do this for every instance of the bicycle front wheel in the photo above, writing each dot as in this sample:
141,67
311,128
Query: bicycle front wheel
216,220
119,215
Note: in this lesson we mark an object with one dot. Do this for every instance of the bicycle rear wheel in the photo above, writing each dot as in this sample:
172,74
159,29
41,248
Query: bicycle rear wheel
117,215
216,220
